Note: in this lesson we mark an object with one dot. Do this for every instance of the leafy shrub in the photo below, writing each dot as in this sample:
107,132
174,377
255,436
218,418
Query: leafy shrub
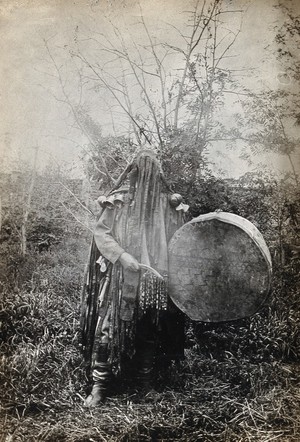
234,384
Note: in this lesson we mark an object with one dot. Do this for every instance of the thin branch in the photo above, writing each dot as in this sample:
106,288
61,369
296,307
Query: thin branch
77,199
160,71
142,85
287,153
113,91
75,217
67,101
191,46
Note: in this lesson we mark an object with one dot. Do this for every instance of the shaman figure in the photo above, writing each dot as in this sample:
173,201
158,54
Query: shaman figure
130,325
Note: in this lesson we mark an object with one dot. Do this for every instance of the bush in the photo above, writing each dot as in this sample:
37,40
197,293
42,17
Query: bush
238,382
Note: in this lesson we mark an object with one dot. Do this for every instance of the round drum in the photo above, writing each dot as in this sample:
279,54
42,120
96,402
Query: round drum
219,268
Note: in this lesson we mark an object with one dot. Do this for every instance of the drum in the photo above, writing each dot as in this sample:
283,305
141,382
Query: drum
219,268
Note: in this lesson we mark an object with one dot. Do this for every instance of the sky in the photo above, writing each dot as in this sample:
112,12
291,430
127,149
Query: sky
30,95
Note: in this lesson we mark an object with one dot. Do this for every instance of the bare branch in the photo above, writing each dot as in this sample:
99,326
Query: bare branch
75,115
161,73
113,92
75,217
76,198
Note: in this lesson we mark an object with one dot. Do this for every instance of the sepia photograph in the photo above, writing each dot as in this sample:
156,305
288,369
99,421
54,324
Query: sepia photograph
150,220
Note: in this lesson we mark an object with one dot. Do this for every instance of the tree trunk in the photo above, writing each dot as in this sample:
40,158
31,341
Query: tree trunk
0,214
26,210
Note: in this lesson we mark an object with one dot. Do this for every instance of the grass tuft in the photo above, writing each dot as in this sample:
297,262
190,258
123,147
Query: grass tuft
239,381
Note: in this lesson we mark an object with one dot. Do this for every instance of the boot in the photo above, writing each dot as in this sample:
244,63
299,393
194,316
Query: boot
145,364
101,375
144,378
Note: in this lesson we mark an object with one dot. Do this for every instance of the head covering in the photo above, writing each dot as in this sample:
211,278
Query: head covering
146,239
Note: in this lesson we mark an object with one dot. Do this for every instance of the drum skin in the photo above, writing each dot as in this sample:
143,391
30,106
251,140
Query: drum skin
219,268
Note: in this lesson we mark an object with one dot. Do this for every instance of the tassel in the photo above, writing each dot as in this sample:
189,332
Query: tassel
153,293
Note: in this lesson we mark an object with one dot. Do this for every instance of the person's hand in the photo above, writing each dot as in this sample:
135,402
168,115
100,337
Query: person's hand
129,262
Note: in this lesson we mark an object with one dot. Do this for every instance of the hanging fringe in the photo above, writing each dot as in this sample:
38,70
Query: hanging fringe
153,293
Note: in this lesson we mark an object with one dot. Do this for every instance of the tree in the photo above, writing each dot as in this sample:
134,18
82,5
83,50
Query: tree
288,45
27,205
162,92
269,119
40,207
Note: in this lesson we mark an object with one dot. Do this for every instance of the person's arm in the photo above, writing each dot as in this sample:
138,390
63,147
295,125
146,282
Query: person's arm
129,262
108,246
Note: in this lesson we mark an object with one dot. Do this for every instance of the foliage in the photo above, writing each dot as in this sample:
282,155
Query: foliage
39,327
241,377
178,94
165,92
287,39
117,151
266,120
50,217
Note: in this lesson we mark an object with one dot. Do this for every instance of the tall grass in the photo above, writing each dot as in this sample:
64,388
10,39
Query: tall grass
239,381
